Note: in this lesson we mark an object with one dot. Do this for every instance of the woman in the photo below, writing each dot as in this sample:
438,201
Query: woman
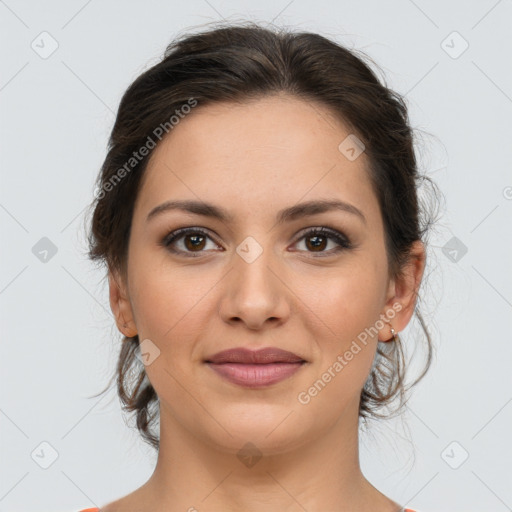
258,216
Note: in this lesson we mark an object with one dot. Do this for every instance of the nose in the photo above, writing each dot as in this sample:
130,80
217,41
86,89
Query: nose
254,294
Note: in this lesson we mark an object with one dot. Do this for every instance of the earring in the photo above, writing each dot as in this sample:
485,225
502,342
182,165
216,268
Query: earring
393,336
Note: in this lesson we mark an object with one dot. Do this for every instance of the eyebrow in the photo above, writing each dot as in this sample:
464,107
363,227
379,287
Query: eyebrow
288,214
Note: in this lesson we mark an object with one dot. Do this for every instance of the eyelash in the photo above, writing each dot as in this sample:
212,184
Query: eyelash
342,241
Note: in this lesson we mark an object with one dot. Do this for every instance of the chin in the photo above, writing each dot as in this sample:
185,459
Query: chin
272,429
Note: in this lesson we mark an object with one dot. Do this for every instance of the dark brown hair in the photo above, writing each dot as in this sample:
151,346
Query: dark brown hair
236,63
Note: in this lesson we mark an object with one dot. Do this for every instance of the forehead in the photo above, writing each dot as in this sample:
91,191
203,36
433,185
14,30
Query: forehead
271,151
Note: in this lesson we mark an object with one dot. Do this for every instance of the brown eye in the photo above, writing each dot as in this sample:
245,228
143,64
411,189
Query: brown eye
317,240
193,242
187,241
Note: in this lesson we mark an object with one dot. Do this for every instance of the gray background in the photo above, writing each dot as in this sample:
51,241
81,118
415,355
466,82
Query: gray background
59,341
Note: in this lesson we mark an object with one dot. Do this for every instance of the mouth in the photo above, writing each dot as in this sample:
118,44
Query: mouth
255,368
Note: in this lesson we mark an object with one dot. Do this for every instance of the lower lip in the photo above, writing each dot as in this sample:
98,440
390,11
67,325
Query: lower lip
255,375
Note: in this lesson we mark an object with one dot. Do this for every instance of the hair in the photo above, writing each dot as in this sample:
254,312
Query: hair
237,63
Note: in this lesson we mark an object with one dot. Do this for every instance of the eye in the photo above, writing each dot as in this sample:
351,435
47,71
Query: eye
317,239
188,241
192,240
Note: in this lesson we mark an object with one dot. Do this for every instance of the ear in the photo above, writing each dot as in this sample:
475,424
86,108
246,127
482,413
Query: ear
403,292
120,305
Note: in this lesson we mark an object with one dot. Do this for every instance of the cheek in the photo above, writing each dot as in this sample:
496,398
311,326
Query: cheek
170,312
344,301
173,308
165,298
341,312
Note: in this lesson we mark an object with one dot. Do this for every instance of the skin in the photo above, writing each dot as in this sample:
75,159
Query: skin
255,159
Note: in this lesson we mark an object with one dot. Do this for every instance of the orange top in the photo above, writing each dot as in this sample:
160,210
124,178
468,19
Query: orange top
98,510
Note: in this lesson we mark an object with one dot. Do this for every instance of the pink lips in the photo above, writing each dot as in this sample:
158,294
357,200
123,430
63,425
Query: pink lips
255,368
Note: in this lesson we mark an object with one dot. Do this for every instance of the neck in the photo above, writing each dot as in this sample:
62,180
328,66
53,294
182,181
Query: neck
193,475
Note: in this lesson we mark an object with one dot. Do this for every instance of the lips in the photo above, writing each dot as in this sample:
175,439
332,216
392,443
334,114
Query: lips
255,368
262,356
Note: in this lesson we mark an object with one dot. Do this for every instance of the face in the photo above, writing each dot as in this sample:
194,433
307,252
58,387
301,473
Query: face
313,281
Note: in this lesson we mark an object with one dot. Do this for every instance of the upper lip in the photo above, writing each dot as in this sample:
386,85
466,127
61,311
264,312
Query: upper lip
248,356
